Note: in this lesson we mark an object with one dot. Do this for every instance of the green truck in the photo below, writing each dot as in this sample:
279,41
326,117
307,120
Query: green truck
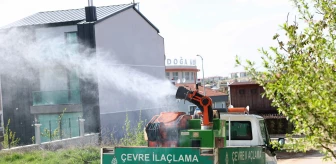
230,136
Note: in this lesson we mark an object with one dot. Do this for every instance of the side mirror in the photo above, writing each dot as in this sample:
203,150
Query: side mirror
281,142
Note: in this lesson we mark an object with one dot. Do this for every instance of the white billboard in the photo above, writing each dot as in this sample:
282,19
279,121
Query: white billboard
179,61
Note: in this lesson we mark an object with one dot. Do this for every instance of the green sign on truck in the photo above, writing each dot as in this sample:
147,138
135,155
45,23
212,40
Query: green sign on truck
139,155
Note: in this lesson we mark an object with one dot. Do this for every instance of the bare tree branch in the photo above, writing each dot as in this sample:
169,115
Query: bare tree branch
329,150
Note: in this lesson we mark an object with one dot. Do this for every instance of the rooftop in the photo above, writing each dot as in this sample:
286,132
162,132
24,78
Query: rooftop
71,16
243,83
181,69
209,91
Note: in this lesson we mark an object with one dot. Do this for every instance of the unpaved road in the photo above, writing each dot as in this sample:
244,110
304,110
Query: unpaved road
307,160
302,158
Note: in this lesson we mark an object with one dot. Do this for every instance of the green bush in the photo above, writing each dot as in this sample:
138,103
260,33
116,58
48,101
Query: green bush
9,134
133,136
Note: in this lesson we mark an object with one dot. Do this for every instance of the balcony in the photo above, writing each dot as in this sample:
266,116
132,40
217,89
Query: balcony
56,97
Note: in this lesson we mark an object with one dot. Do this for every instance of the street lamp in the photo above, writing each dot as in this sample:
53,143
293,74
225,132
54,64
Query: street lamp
203,74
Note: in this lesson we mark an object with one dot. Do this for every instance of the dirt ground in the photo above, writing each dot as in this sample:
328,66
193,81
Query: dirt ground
313,157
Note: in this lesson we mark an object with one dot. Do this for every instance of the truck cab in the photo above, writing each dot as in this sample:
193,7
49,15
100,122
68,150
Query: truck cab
243,130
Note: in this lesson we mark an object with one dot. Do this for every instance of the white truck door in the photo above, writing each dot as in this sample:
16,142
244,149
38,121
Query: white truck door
270,157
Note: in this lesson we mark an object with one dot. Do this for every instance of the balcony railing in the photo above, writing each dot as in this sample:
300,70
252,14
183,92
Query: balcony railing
56,97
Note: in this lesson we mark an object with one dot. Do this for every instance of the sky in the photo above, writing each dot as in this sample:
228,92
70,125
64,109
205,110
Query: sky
218,30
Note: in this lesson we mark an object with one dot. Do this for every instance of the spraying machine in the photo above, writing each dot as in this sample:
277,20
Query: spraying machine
209,136
177,129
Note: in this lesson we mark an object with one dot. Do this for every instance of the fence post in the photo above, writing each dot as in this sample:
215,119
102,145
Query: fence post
78,127
70,127
50,130
8,138
60,125
38,134
81,127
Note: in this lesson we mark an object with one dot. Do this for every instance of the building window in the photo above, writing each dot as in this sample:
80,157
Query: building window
73,79
240,130
192,76
182,75
71,40
71,37
187,75
241,91
168,75
234,75
243,74
254,91
175,75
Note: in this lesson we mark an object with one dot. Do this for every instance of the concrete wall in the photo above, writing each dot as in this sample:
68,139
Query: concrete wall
87,140
129,39
1,108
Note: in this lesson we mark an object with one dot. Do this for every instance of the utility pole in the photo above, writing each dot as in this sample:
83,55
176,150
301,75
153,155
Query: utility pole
203,75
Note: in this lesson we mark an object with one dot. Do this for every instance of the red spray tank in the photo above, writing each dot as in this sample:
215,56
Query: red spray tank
163,130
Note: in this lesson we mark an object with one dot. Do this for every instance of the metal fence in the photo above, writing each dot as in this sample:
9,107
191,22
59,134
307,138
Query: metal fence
18,133
59,129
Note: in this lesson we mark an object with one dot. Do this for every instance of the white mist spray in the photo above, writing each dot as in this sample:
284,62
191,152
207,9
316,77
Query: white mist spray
20,51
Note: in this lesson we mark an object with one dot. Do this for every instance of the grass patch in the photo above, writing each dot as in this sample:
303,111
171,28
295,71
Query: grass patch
84,155
134,136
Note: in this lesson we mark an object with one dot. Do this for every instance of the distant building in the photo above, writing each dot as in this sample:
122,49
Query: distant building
213,79
223,86
238,75
248,93
181,68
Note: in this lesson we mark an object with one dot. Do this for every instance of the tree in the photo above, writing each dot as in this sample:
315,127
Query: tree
300,75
